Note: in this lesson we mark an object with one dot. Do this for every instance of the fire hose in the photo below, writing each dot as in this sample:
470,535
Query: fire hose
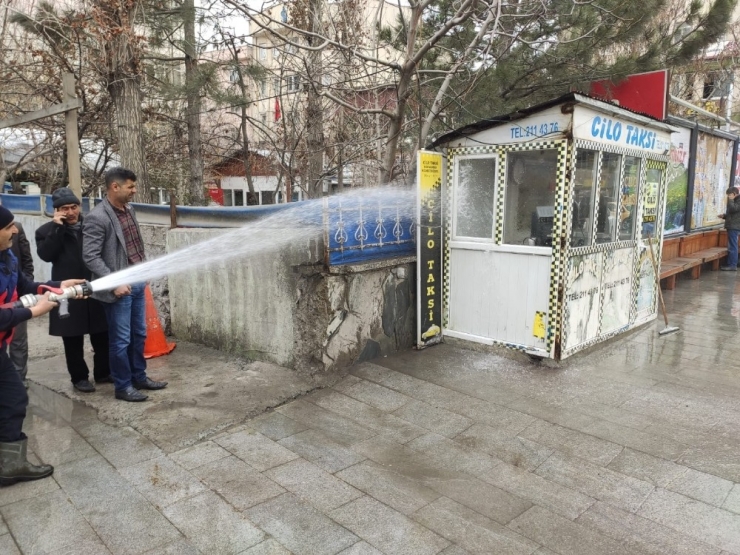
56,295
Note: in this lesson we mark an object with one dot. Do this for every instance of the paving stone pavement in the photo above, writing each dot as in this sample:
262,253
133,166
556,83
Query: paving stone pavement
630,448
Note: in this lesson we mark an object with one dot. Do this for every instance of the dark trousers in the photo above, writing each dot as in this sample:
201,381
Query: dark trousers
74,352
18,350
732,235
13,400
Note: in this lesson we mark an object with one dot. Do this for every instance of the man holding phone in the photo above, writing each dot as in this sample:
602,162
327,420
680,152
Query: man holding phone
60,242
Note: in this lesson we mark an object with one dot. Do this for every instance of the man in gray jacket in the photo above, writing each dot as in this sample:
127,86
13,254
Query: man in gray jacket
111,241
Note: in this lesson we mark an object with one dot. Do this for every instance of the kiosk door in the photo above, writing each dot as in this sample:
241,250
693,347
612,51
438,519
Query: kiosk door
501,247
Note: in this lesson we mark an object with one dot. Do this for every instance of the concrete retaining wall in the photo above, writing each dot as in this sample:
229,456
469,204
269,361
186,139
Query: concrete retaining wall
284,307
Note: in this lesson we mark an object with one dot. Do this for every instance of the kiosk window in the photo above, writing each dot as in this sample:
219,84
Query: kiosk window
630,183
653,178
531,181
474,197
583,197
607,221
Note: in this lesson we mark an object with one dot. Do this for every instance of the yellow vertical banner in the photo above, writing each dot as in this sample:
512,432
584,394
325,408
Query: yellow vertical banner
429,274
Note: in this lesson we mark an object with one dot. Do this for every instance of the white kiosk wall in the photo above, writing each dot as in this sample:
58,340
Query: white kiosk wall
498,281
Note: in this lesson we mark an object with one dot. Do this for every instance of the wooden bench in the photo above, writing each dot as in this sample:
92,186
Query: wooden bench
689,253
672,263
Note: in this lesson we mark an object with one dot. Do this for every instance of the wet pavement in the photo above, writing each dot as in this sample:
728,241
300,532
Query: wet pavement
631,448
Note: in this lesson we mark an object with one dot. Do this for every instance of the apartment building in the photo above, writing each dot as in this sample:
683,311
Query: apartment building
290,67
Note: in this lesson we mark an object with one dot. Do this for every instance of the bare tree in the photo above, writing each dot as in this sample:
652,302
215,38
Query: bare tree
388,67
411,64
192,84
119,61
39,47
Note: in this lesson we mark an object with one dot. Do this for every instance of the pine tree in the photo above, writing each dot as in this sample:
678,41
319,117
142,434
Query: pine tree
564,45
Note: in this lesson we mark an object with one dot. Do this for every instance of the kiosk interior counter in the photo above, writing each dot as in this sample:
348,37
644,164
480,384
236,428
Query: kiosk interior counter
541,229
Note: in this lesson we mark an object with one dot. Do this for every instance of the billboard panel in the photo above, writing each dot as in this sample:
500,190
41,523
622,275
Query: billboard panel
712,177
644,92
678,182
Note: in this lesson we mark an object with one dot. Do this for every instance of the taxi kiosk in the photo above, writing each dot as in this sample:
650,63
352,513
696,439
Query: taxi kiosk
547,214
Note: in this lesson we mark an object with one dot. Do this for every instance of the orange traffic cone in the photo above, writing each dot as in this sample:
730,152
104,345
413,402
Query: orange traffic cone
156,345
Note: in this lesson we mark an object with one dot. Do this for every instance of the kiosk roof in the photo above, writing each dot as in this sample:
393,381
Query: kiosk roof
575,97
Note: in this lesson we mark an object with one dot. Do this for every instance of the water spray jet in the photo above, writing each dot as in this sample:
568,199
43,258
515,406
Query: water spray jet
298,222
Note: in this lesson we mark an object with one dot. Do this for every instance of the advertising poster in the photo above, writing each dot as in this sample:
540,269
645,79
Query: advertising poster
650,208
677,179
713,164
646,291
429,249
616,290
583,292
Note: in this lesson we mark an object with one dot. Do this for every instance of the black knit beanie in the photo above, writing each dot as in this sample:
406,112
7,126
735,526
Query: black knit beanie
62,196
6,217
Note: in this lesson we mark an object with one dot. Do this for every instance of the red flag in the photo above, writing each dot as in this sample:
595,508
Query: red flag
277,108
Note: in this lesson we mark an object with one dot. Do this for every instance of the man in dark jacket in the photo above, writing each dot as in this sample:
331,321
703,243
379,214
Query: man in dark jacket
14,467
18,350
60,242
732,225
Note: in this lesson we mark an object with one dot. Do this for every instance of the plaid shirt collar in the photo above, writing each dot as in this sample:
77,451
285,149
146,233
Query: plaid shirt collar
131,235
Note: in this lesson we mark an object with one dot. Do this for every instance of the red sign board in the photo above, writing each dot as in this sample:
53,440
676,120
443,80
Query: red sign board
646,93
216,195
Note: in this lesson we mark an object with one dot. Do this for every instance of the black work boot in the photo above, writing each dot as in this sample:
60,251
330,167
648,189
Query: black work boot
14,467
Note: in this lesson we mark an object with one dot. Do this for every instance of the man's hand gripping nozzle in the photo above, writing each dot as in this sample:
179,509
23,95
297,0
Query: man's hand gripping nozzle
61,296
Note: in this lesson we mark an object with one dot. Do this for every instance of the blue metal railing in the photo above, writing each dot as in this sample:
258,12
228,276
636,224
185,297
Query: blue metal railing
355,231
362,232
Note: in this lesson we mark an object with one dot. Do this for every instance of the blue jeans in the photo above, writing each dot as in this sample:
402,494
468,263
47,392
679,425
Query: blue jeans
732,247
126,335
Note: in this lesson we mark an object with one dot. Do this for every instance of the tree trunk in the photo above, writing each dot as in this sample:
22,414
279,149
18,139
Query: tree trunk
403,91
395,127
192,86
126,95
252,198
314,115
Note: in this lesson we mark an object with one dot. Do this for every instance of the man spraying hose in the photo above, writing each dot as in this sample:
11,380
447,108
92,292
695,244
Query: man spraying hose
14,467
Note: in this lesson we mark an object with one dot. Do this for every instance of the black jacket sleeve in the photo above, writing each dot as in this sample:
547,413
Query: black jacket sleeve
50,241
11,317
26,258
26,286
